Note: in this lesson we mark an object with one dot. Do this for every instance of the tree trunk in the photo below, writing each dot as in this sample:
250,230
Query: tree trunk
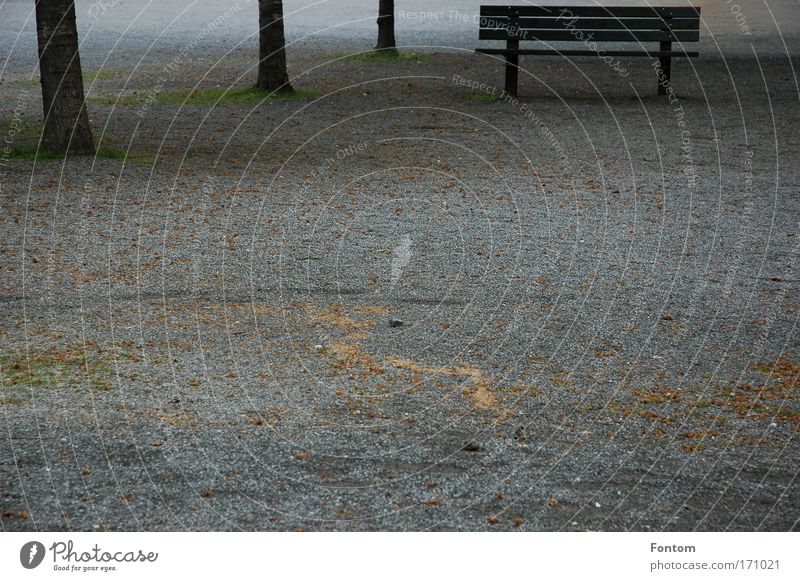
66,123
272,75
385,25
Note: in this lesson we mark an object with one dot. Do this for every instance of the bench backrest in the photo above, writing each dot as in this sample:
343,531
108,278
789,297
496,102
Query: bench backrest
603,23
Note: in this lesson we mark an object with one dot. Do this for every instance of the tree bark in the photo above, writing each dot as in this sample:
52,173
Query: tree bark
385,25
272,75
66,122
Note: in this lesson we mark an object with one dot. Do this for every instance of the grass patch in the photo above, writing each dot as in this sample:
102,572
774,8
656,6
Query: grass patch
213,95
111,152
24,129
100,75
70,367
388,55
88,76
208,96
381,56
27,135
11,401
484,98
31,153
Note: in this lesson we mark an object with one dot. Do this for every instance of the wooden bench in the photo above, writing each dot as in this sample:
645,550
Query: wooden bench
590,25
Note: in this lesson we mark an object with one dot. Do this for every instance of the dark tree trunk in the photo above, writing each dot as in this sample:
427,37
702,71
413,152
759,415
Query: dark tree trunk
385,25
66,123
272,75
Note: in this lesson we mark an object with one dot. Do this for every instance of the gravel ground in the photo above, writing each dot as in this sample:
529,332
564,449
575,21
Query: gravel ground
598,290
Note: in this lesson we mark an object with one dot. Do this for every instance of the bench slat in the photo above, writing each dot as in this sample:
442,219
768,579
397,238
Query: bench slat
595,23
594,11
553,52
596,35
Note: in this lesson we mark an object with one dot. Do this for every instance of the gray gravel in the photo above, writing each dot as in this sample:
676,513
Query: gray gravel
598,289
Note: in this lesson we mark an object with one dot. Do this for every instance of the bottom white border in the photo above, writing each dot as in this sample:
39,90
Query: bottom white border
375,556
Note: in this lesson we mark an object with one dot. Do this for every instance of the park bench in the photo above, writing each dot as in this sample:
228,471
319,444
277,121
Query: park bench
589,25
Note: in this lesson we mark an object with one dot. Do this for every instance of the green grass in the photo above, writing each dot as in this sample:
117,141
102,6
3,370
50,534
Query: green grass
101,75
111,152
28,132
32,153
11,401
70,367
24,128
88,76
26,138
26,82
484,98
108,152
209,96
230,95
380,56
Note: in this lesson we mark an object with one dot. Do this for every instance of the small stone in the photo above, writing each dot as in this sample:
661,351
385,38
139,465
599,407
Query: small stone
396,323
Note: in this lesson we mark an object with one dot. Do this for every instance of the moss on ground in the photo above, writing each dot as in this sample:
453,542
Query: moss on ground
379,56
206,96
70,367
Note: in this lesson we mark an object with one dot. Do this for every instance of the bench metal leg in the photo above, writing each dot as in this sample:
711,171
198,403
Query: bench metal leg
666,67
512,74
512,63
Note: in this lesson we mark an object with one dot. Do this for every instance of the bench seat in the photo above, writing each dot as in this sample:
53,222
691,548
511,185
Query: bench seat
556,52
